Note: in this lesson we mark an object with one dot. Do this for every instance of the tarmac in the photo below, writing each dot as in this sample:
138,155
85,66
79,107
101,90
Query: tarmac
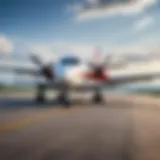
124,128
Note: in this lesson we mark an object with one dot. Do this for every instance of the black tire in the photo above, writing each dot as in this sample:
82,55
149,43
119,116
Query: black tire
40,99
63,100
40,93
98,99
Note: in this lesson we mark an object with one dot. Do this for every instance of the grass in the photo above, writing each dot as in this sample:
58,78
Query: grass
30,89
153,93
15,89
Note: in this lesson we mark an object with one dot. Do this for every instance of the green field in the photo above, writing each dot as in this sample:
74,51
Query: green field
32,89
15,89
151,93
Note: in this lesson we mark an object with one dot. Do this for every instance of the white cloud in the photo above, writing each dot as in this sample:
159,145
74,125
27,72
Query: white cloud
41,49
138,50
44,52
48,53
52,52
143,23
6,45
109,8
83,51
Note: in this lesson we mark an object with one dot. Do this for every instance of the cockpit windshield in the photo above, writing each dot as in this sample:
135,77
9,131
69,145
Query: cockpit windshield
70,61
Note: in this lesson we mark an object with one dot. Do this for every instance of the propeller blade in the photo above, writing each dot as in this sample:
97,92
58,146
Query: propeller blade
97,56
36,60
107,60
46,70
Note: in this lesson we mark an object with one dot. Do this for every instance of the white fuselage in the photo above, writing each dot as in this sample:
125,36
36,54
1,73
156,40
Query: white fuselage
73,75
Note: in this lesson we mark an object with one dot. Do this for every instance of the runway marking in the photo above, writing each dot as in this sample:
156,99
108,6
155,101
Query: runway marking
7,128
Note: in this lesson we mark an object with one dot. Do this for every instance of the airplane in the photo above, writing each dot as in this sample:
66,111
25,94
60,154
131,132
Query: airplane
71,73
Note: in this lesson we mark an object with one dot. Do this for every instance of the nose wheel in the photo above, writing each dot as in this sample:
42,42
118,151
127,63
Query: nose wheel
63,99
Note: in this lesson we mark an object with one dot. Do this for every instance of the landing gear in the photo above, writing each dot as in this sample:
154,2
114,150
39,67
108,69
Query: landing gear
63,99
98,98
40,97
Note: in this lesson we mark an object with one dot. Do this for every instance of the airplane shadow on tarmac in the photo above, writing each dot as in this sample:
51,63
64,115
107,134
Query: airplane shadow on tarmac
21,103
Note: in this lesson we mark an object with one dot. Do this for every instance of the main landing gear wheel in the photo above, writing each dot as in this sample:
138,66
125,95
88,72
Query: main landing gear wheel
98,98
40,93
64,100
40,99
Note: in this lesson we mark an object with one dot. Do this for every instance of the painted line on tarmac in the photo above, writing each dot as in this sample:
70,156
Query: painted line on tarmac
11,127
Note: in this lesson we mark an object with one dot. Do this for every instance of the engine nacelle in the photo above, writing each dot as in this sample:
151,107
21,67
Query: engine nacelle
97,73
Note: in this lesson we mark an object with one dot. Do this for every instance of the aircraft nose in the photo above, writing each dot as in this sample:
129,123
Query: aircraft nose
74,76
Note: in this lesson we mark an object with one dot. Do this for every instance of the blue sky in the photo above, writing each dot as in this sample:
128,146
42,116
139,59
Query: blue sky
29,23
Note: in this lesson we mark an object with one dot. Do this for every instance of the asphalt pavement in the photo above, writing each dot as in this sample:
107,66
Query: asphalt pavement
124,128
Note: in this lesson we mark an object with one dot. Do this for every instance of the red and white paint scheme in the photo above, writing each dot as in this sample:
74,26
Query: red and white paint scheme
70,72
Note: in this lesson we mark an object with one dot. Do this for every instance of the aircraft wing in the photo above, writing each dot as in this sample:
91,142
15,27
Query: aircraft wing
113,81
116,80
19,69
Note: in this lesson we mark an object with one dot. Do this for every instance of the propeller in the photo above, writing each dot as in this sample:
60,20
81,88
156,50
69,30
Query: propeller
36,60
99,64
107,60
45,70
